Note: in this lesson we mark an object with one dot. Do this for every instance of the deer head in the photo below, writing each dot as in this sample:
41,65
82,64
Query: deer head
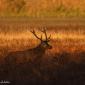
44,43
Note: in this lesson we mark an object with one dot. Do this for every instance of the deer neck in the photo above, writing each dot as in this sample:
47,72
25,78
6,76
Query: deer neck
39,49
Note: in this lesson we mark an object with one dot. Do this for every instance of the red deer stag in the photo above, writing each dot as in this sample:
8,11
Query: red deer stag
34,54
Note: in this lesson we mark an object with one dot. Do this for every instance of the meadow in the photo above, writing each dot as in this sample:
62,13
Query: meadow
67,57
60,40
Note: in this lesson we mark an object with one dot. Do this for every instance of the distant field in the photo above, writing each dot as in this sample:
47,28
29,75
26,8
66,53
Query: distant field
42,8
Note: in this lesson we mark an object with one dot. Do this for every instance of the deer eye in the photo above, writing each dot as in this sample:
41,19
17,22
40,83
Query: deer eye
44,44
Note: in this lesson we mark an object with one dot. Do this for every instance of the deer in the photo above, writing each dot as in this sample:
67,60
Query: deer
33,54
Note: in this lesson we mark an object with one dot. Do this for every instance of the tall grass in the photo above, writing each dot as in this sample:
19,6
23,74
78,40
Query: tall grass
57,64
61,42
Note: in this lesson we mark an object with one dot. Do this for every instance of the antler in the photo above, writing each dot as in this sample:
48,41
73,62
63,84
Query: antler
49,37
36,35
44,31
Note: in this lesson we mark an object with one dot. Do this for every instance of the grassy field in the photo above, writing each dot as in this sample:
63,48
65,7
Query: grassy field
21,63
19,40
65,58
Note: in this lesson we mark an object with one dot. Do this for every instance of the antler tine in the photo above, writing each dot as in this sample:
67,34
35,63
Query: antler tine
36,35
44,31
49,37
41,37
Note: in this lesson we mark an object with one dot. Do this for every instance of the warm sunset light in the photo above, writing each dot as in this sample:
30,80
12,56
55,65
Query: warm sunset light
42,42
